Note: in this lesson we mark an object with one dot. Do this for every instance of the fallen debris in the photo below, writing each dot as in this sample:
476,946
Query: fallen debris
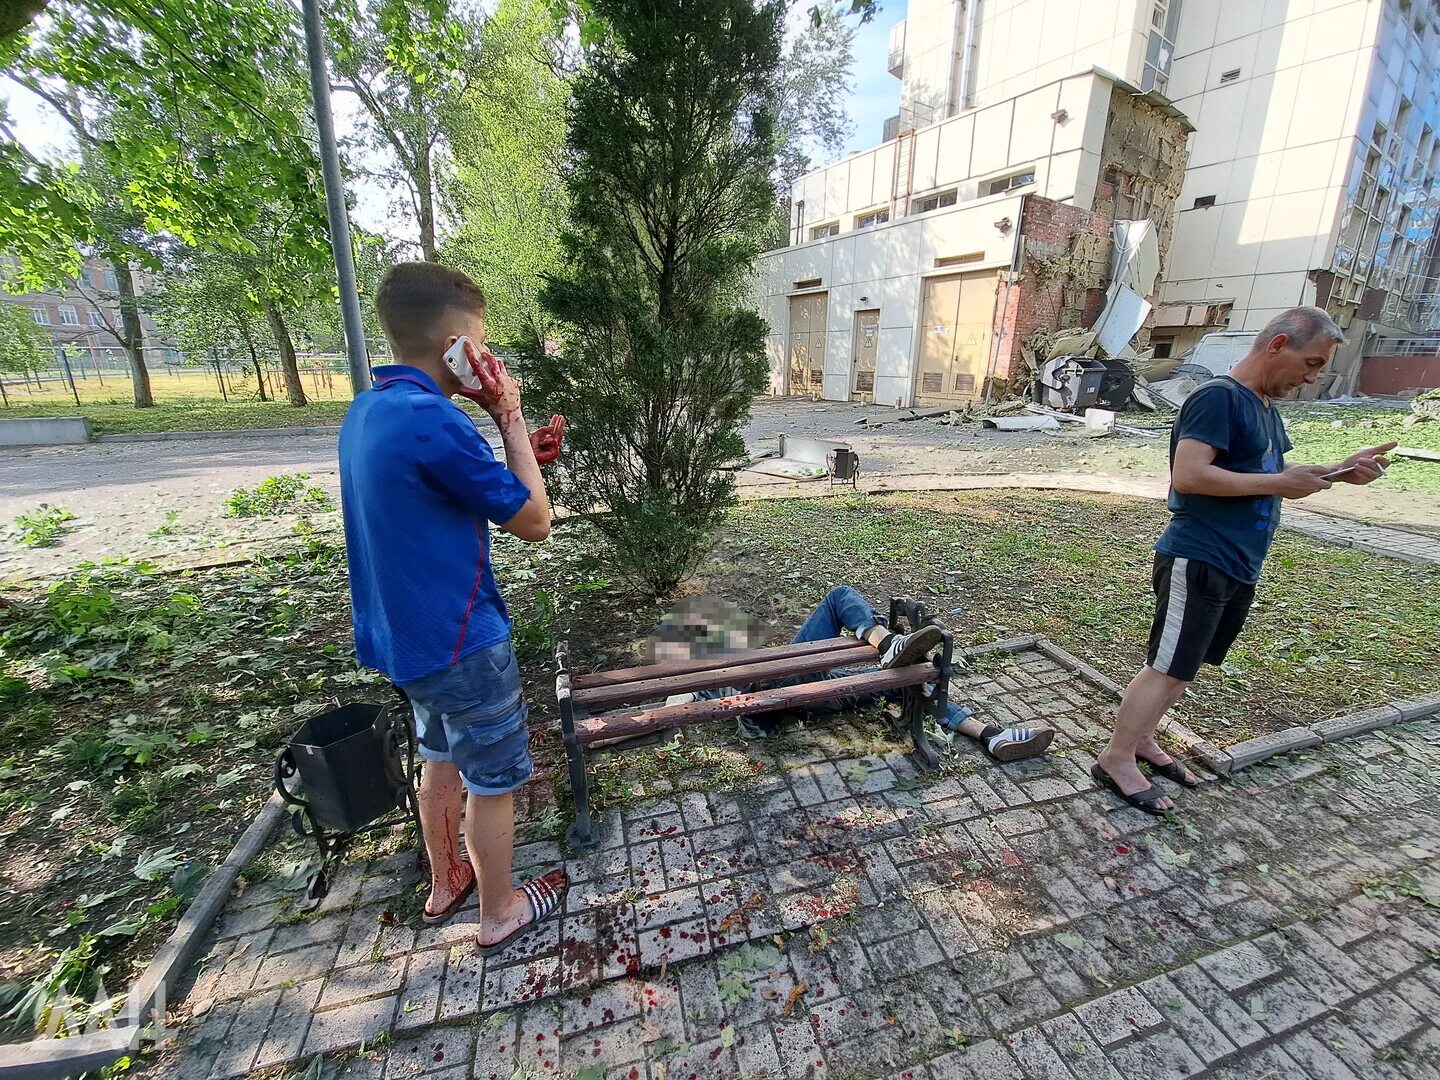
1416,452
1175,391
1041,410
1022,423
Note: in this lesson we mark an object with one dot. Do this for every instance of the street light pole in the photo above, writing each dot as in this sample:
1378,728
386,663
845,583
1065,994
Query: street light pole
335,198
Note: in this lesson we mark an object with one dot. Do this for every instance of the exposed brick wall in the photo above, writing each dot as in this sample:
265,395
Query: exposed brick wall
1064,263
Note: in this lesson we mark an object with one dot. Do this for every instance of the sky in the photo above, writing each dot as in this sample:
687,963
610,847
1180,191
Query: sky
874,96
875,93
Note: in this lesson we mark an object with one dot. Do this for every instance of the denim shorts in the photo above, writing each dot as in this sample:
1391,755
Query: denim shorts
473,714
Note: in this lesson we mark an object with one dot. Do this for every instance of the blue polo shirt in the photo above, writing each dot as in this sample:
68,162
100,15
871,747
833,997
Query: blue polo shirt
418,487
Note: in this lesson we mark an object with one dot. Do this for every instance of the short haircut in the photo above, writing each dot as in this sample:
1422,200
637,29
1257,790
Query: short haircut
1302,326
413,300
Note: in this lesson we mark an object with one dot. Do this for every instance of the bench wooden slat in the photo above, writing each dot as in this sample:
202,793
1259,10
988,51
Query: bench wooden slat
740,672
619,725
684,667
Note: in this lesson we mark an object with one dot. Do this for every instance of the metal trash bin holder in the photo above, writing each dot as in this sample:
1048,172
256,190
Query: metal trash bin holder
354,779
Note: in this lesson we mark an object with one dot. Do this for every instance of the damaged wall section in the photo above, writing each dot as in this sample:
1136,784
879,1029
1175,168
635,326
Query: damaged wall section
1142,168
1064,265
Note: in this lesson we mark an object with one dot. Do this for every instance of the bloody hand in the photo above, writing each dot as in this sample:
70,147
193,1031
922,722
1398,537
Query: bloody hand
545,441
498,393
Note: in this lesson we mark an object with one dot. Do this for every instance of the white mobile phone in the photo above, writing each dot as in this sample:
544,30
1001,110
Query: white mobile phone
1338,472
459,364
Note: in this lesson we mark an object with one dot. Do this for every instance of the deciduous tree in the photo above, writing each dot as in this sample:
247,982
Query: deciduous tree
190,121
409,62
505,193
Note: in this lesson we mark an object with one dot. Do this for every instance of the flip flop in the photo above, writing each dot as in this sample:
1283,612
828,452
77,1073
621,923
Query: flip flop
545,894
1172,770
444,916
1144,799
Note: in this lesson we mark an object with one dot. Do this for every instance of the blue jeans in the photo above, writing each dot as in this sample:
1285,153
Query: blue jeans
472,714
842,609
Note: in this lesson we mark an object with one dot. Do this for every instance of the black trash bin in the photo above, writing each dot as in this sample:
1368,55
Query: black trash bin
1069,382
357,765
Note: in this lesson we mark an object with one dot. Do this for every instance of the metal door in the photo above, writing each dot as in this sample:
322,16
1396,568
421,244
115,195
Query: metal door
956,317
807,343
867,341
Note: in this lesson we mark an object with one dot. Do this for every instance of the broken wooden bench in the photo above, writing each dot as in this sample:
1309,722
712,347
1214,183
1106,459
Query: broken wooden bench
604,707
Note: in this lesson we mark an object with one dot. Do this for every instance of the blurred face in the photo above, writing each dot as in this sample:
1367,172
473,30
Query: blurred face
1289,366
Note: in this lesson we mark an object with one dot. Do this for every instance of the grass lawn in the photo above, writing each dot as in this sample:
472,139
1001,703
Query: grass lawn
187,401
1312,429
193,414
141,712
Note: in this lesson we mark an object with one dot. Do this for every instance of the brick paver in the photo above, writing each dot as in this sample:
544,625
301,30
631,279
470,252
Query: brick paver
845,916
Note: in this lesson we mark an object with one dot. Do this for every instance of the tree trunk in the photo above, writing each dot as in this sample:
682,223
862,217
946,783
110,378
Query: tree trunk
255,362
425,188
294,388
132,335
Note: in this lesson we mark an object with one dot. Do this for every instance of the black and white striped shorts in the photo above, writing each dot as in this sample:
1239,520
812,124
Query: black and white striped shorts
1199,611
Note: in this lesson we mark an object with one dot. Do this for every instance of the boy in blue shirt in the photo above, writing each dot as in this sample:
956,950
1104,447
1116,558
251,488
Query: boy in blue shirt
1227,479
419,489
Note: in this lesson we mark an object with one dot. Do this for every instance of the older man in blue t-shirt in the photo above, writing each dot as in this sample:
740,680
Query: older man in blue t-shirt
1227,479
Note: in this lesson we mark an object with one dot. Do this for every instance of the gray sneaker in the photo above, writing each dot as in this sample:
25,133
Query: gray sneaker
906,649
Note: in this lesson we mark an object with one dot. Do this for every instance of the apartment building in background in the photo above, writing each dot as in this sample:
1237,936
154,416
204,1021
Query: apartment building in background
85,316
1314,174
918,270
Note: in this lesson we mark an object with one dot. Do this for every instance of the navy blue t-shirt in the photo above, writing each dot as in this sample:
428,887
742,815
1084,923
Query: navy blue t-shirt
1231,533
418,485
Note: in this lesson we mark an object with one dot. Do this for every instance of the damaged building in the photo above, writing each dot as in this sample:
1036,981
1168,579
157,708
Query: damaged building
939,265
1313,179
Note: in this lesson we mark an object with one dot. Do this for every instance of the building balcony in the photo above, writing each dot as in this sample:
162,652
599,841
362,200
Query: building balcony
896,64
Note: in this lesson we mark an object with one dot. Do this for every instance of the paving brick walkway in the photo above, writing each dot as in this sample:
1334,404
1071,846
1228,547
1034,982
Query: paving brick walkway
1403,544
843,916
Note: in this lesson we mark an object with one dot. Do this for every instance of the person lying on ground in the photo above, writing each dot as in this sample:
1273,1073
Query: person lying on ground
1227,479
419,490
844,609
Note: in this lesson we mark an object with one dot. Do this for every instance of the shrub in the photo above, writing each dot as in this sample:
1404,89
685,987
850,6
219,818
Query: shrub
670,145
44,526
278,495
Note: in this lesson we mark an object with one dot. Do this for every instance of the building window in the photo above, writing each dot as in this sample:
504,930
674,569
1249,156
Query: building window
69,317
1203,201
1008,183
1229,76
111,281
934,202
875,217
96,320
42,315
830,228
1160,47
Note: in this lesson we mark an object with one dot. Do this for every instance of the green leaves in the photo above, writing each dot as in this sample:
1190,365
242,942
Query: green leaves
156,864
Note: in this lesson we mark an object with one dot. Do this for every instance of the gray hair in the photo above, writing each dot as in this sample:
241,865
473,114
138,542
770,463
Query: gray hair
1301,326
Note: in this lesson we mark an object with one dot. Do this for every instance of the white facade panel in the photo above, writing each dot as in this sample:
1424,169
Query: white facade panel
1237,19
992,138
953,153
893,352
1032,131
892,390
838,344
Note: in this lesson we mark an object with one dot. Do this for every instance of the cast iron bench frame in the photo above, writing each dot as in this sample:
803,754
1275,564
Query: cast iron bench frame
593,713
